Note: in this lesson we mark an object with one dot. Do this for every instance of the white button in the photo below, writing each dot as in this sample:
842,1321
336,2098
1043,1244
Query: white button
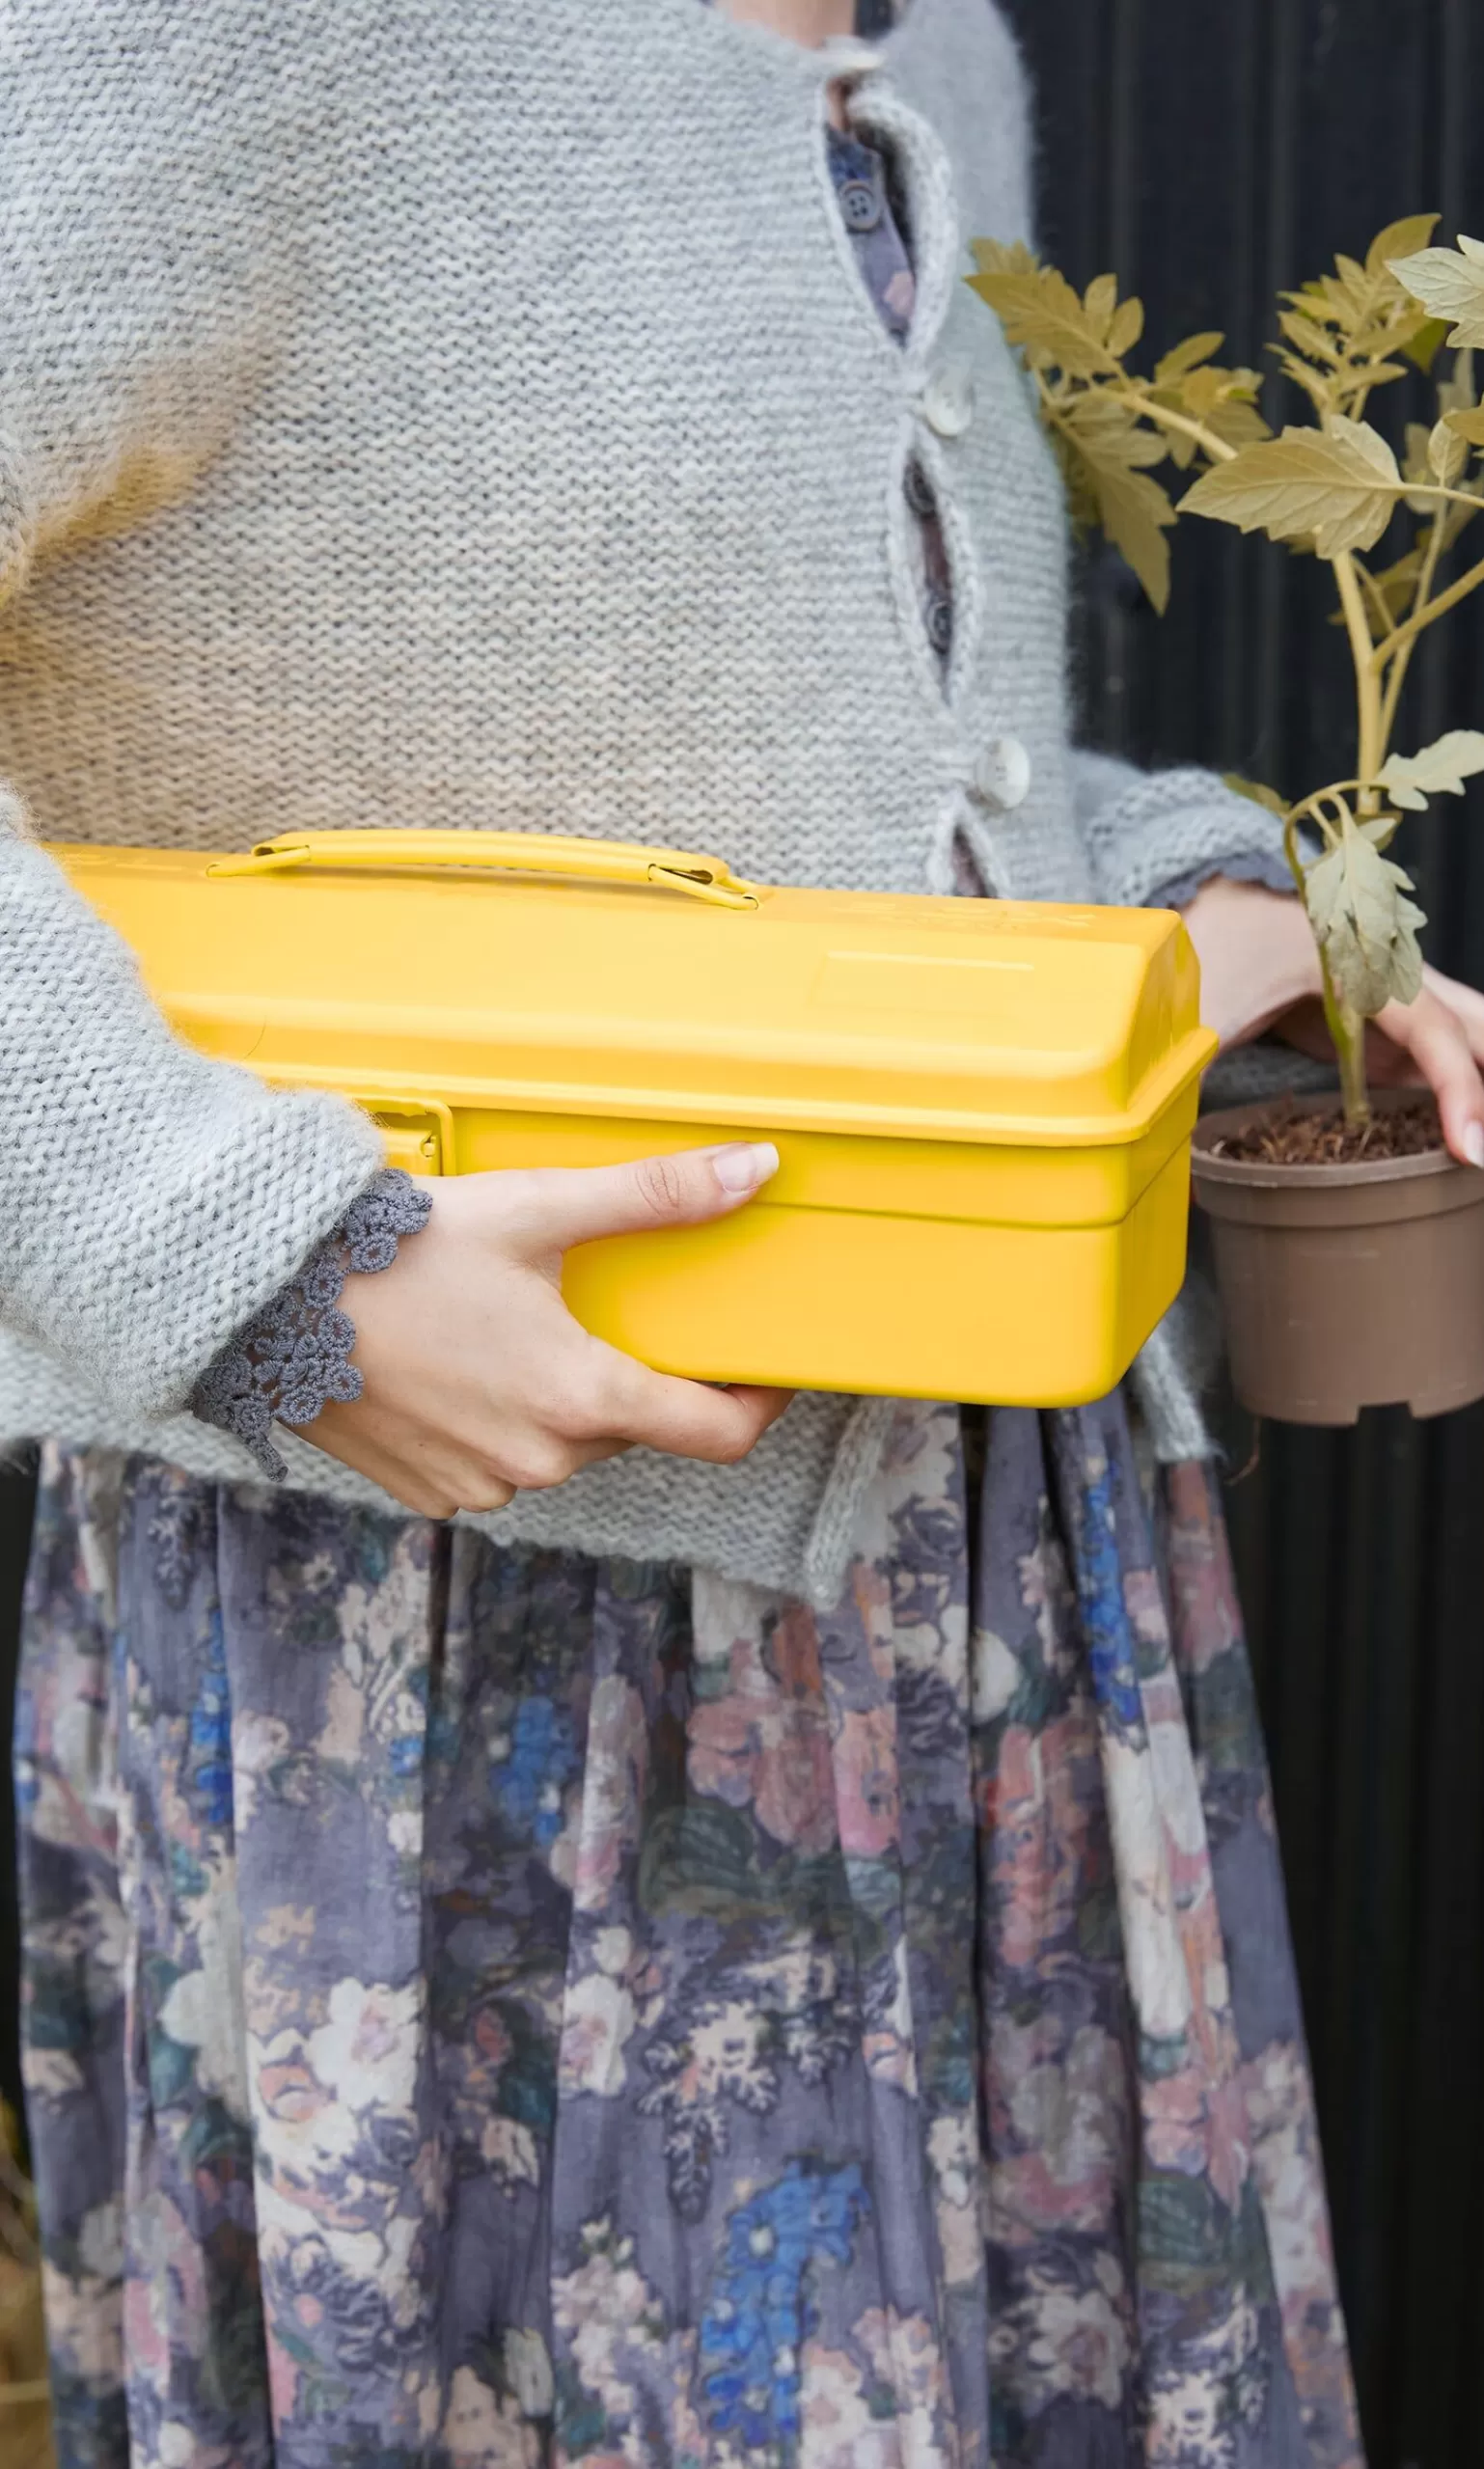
1001,775
851,57
948,401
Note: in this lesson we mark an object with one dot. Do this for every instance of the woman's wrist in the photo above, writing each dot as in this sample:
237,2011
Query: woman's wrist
294,1356
1257,957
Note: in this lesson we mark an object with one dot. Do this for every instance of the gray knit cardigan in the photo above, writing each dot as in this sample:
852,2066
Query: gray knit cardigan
401,422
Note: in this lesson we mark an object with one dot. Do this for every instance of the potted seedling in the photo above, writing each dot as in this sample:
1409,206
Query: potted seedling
1349,1244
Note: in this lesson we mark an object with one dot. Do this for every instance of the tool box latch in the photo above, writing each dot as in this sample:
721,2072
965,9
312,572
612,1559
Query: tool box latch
418,1134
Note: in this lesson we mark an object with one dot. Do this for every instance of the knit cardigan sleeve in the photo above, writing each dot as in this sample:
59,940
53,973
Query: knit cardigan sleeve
151,1200
1155,837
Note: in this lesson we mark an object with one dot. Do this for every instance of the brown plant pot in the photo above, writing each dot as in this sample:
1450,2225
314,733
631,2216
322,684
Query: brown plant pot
1345,1286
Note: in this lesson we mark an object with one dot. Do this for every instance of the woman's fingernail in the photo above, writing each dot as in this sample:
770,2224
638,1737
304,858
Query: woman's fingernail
745,1165
1473,1144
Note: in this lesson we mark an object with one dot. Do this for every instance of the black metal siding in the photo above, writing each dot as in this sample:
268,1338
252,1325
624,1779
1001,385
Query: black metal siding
1211,153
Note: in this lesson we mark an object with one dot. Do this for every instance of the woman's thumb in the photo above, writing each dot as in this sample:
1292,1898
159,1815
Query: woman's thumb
579,1204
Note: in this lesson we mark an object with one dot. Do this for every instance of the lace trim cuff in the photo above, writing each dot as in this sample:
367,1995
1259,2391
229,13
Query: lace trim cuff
294,1355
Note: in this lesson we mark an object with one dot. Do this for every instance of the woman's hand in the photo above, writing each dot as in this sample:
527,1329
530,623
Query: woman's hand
1259,970
478,1380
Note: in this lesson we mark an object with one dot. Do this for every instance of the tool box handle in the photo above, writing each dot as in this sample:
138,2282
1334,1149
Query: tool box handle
701,878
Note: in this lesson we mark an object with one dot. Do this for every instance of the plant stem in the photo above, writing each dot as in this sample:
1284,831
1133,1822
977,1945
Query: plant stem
1435,489
1291,849
1404,650
1162,418
1373,590
1413,626
1347,1045
1336,789
1347,1027
1368,703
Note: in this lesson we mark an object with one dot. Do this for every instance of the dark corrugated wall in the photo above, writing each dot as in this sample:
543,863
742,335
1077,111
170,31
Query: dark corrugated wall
1211,154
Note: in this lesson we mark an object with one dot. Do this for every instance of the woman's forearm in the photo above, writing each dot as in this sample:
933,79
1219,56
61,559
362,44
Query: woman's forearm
1256,953
806,21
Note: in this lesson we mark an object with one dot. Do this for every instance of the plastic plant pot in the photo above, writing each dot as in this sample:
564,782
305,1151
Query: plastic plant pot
1345,1286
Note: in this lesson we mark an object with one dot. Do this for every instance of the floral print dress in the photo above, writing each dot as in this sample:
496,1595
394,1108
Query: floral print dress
499,2009
488,2007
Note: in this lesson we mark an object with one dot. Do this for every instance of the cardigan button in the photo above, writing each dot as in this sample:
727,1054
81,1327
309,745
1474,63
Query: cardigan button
918,491
1001,775
861,204
850,57
948,401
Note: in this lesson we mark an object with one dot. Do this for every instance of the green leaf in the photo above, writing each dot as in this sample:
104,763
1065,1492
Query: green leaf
1376,373
1424,346
1399,240
1082,502
1313,384
1237,423
1186,356
1397,583
1458,392
1467,425
1341,483
1380,828
1115,427
1365,924
1254,789
1099,300
1204,388
1449,284
1366,304
1222,401
1416,470
1112,450
1307,336
1374,344
1447,450
1040,312
1128,324
1440,769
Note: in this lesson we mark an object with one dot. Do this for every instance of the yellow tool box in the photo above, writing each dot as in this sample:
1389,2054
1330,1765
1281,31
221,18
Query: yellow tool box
982,1109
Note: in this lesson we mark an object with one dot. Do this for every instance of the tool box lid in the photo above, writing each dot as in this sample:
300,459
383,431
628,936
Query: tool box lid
674,991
